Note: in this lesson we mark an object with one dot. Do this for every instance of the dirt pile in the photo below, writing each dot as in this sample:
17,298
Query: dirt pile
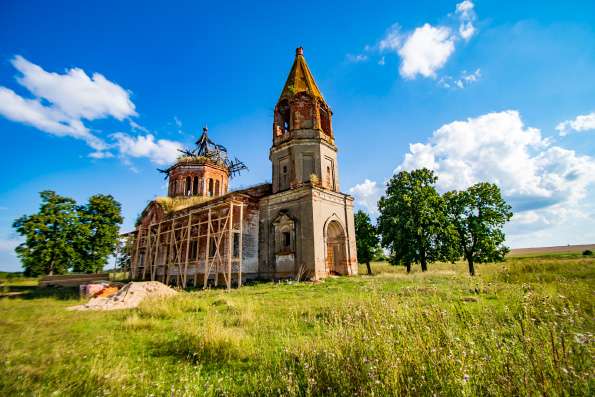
128,297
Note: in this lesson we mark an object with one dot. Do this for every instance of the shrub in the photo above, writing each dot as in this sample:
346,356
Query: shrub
587,253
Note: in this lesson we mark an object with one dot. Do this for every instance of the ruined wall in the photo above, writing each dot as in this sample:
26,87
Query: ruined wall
295,204
303,158
204,173
327,207
250,243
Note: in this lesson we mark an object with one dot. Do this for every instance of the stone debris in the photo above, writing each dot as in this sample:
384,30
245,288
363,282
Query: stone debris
128,297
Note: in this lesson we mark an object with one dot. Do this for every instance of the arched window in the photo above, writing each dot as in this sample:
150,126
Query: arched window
195,186
217,188
172,187
188,190
325,122
284,115
210,187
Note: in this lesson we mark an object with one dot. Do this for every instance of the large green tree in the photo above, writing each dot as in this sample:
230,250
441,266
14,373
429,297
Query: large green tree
412,220
100,221
49,236
366,238
477,215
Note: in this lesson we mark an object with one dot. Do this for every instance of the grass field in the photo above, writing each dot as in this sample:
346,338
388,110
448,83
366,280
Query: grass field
523,327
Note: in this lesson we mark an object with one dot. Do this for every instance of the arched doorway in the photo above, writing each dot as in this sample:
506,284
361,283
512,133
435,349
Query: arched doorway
335,248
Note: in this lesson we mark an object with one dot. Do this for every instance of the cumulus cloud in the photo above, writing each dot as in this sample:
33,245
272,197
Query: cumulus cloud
71,98
466,13
62,103
48,119
425,51
75,93
366,195
543,181
581,123
159,151
427,48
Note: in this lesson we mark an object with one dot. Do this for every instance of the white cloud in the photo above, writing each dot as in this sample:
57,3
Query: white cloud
466,13
366,195
137,127
581,123
101,155
545,183
161,151
425,51
427,48
72,97
61,102
47,119
356,58
75,93
463,81
392,40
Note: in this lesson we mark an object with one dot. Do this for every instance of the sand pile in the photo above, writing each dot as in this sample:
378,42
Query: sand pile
128,297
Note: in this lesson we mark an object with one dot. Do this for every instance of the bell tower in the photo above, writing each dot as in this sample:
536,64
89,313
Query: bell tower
303,150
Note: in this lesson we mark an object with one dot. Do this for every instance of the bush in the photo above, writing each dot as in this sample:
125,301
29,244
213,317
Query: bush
587,253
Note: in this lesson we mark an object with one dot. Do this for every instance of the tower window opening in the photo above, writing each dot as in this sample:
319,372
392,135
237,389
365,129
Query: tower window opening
195,186
325,122
217,188
210,187
188,191
173,187
284,115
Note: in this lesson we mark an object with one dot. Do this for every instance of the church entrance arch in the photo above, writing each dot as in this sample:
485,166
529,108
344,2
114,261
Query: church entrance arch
335,248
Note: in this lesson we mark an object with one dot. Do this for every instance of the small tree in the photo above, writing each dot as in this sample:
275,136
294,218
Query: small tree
100,221
412,219
49,236
477,215
366,239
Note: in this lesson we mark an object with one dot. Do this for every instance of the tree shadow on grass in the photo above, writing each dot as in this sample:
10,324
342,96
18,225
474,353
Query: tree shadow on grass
29,292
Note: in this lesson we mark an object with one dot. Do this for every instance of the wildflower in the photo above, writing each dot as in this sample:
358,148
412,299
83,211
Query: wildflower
465,378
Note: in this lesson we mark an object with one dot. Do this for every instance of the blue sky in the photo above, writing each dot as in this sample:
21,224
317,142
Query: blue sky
95,96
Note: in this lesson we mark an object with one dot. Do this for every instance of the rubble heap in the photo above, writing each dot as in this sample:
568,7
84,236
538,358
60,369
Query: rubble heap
128,297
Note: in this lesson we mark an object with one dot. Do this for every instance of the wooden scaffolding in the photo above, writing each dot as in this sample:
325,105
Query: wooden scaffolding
205,243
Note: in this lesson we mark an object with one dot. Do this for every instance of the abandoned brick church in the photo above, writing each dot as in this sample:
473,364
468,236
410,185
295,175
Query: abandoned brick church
298,226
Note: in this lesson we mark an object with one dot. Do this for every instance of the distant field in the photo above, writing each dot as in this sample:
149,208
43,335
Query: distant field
522,327
561,249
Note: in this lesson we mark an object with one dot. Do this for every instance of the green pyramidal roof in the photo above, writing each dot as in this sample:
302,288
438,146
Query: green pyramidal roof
300,79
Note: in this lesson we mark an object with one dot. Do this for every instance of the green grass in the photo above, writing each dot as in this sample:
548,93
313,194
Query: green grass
523,327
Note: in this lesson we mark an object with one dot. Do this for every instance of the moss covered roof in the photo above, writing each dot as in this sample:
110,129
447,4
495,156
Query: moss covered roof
300,79
174,204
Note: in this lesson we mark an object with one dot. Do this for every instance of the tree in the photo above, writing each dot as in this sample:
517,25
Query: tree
412,221
123,258
100,221
477,215
49,235
366,239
